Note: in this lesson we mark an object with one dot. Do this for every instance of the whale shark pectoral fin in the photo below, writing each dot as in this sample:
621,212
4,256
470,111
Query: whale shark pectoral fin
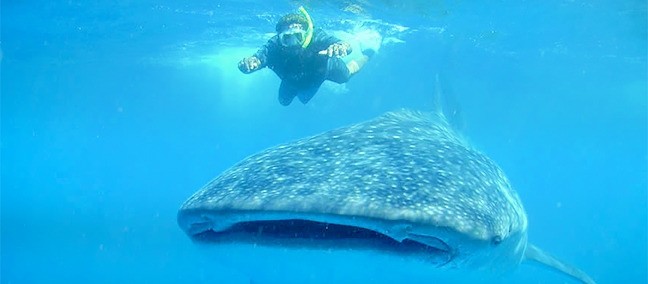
535,254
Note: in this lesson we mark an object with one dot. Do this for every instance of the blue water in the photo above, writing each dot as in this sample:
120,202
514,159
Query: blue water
113,113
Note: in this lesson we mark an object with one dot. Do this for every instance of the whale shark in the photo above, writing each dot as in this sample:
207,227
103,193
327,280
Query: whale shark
403,183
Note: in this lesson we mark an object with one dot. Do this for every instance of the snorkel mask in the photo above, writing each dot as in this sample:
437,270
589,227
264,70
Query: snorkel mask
295,30
294,36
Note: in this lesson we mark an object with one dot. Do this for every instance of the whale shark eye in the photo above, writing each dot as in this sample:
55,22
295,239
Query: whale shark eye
496,240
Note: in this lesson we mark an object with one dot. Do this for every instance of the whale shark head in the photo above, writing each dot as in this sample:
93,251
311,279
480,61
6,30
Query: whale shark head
404,183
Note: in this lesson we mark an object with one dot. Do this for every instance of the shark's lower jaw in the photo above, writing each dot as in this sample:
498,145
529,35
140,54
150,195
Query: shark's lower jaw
310,234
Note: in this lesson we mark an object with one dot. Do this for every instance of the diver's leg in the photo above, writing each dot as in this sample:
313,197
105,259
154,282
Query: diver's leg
341,72
306,94
287,93
338,71
354,65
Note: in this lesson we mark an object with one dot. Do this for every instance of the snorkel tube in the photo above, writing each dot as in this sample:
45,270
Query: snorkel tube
309,32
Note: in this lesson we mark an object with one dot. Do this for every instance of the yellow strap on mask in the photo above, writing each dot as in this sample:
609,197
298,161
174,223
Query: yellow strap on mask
309,32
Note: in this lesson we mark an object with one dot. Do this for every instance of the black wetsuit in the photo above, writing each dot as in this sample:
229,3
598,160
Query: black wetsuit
303,70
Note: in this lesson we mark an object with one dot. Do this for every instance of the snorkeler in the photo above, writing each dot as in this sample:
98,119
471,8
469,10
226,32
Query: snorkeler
303,58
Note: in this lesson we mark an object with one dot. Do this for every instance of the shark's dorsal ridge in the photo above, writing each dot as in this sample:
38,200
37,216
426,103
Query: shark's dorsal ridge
446,104
537,255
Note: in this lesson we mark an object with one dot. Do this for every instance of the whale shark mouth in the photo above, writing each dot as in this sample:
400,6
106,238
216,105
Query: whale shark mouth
302,232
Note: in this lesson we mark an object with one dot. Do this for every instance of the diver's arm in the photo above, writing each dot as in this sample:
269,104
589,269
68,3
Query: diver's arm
339,49
249,64
331,45
257,61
